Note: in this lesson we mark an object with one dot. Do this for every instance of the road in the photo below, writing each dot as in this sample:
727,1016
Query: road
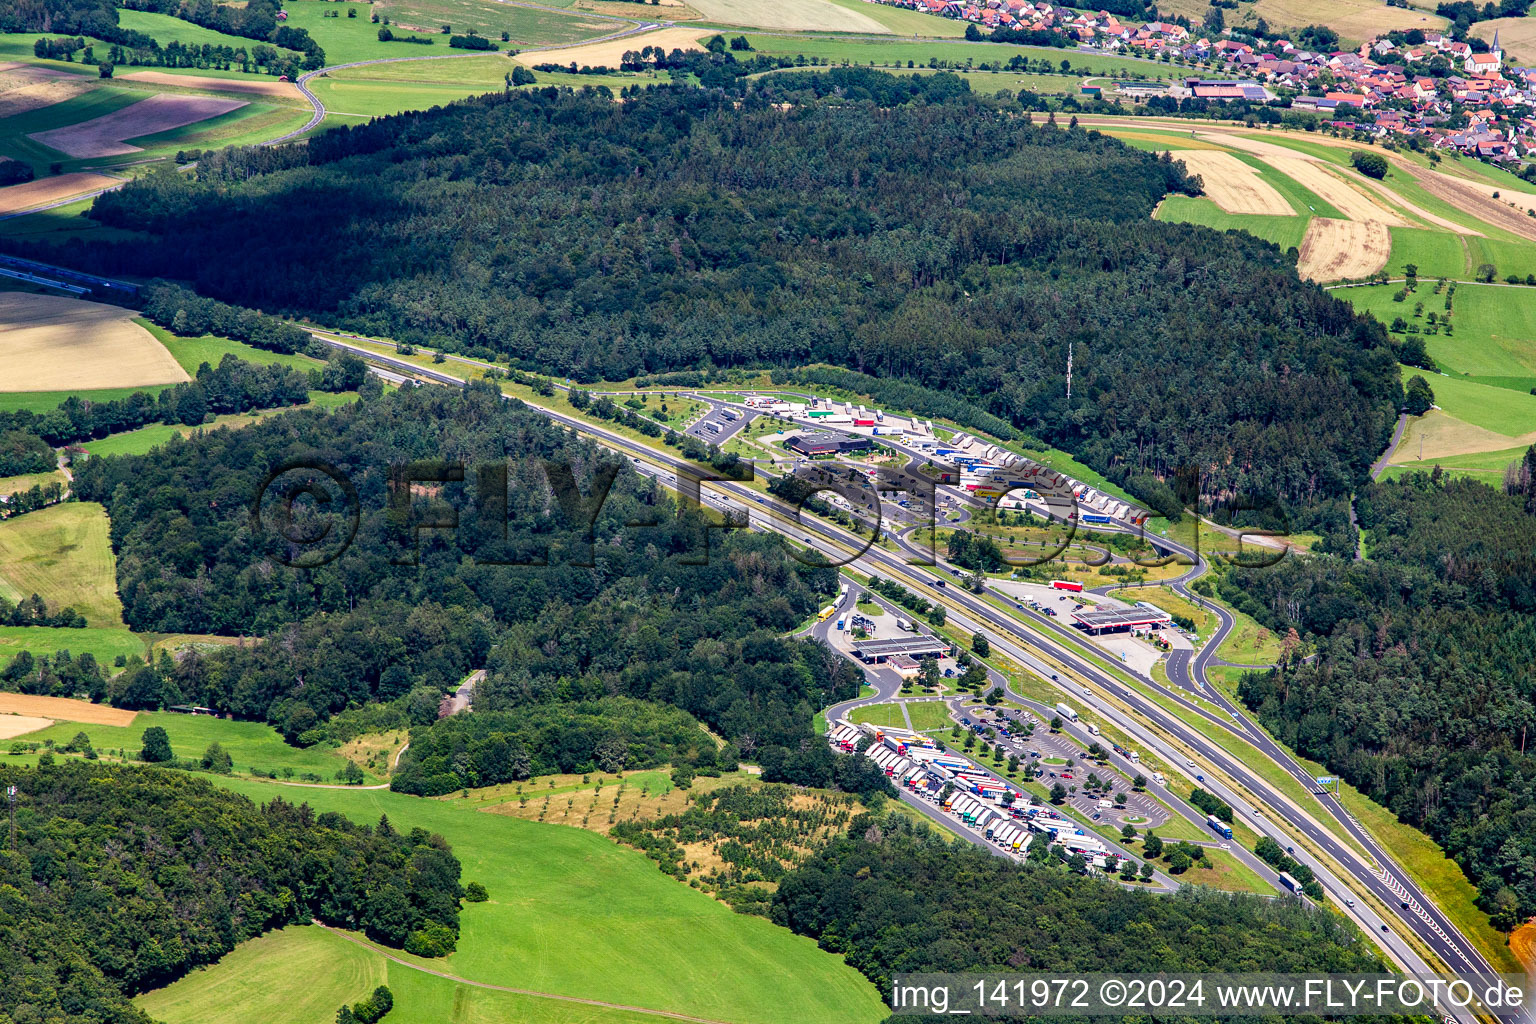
1046,648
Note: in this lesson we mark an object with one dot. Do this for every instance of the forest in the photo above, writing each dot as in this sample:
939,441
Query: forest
1423,691
568,604
125,878
947,242
895,898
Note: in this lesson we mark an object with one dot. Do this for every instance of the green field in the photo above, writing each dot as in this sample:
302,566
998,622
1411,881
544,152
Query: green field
254,985
898,52
1495,328
192,352
347,40
1488,467
167,29
903,22
104,643
248,125
1285,232
572,913
64,554
1434,252
380,97
60,224
142,440
1500,410
46,401
12,484
250,744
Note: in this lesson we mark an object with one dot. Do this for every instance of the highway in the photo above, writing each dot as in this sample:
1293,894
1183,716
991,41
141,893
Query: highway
1048,649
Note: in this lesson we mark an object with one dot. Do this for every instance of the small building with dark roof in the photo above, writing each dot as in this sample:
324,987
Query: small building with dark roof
821,443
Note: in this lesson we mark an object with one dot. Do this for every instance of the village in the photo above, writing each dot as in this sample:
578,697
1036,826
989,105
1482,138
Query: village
1425,88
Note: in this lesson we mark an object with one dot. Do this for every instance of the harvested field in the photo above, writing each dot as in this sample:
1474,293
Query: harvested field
64,709
788,15
1337,249
12,726
50,190
1442,436
1346,198
1466,196
611,51
280,90
52,343
103,136
1233,185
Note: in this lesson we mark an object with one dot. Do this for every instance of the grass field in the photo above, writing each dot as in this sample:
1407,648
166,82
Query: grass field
1497,409
1488,467
167,29
62,553
353,39
191,352
792,15
1285,232
45,401
103,643
572,913
1354,20
894,53
62,223
885,715
250,744
254,985
1249,643
137,442
1495,328
25,482
903,22
928,715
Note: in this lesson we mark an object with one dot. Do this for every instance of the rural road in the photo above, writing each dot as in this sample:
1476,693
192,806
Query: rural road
1380,465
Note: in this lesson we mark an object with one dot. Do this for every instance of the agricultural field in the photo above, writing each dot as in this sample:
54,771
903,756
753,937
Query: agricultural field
610,53
51,343
1469,418
63,708
25,482
140,441
790,15
1353,20
573,914
62,553
105,136
896,53
354,39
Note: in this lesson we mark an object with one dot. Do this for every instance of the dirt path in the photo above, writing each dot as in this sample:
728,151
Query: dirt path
393,958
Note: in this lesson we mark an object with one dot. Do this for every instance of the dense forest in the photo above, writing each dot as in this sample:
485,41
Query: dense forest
569,606
1423,691
944,241
896,898
125,878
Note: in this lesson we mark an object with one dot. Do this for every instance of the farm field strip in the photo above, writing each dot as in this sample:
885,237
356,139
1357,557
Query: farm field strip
1341,249
51,343
1234,186
106,135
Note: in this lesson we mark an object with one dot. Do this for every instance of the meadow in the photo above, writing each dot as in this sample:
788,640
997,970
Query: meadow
103,643
250,744
254,985
571,913
142,440
897,53
192,352
64,554
1495,328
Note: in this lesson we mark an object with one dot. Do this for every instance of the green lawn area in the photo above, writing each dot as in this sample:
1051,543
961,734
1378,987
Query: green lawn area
904,22
46,401
25,482
1495,328
885,715
250,744
64,554
167,29
103,643
346,40
1285,232
255,985
1249,643
575,914
1226,873
61,224
928,715
375,98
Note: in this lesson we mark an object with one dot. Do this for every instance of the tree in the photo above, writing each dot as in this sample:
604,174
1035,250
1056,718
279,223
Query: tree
929,676
1152,846
1055,723
350,775
1179,862
104,69
1139,782
1419,398
1372,165
523,76
1127,832
1486,272
217,759
1146,870
474,892
980,645
1058,793
157,746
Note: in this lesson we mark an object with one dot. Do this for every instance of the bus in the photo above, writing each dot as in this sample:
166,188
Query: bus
1218,826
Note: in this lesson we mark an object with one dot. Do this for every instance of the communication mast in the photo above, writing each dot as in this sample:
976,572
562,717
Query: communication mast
10,795
1069,370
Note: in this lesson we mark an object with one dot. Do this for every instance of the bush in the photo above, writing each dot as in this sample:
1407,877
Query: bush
14,172
434,940
474,892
